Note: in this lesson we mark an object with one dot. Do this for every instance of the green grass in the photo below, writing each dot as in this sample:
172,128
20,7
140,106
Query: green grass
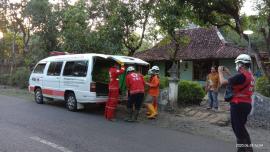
15,92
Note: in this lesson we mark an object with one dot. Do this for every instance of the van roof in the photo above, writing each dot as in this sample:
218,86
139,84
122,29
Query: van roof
125,59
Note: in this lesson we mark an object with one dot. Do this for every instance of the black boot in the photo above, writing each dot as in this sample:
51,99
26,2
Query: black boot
129,117
136,115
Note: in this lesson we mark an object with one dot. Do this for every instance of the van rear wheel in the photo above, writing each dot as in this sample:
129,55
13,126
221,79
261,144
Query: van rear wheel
71,102
38,96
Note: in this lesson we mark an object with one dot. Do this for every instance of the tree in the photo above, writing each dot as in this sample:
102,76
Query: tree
18,23
171,16
10,50
3,19
223,13
129,21
74,28
44,22
219,13
264,20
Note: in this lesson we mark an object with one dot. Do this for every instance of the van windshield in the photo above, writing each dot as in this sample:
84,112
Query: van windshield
39,68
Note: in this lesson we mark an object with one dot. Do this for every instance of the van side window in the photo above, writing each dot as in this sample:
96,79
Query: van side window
39,68
76,68
55,68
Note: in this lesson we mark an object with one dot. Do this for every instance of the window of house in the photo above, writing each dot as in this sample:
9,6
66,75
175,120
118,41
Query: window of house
76,68
40,68
201,68
55,68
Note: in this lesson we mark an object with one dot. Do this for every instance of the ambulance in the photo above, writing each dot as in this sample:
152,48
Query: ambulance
77,79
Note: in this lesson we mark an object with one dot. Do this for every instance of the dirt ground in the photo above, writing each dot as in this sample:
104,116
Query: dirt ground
180,121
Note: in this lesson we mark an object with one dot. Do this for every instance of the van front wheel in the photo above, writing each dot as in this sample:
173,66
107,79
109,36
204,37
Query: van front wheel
38,96
71,102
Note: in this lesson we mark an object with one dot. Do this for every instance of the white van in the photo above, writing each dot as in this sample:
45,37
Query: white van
76,79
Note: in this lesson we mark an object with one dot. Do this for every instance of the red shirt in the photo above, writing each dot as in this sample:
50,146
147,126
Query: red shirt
243,92
135,83
114,73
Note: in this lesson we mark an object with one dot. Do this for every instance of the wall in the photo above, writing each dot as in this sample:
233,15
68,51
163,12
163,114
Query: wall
187,73
161,65
186,70
229,63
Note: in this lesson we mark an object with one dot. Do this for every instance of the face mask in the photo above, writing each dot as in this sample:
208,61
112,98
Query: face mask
237,66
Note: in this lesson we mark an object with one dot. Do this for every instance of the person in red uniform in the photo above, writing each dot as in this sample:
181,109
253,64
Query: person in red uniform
242,85
113,96
135,85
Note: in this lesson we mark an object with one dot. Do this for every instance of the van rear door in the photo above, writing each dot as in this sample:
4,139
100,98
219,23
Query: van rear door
129,60
101,65
140,65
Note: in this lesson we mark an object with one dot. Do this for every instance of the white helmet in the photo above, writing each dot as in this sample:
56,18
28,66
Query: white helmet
156,68
244,58
130,68
241,60
150,72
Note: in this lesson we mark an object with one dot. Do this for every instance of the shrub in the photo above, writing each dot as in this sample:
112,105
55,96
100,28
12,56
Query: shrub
190,92
20,77
4,79
164,82
263,86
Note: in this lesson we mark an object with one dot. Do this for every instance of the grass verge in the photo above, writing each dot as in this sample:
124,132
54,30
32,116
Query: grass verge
15,92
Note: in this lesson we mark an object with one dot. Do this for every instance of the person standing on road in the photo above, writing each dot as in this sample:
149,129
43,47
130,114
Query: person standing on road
153,92
212,85
113,96
135,85
242,85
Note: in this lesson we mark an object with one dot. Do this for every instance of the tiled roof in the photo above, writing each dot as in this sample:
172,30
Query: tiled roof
204,43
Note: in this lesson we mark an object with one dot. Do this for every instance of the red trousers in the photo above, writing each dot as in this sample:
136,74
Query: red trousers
111,104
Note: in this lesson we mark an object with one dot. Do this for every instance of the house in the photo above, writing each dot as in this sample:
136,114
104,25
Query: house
207,47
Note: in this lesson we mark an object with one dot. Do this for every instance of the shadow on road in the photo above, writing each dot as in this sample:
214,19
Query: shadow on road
90,108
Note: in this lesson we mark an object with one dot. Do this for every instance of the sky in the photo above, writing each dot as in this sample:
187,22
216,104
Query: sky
248,7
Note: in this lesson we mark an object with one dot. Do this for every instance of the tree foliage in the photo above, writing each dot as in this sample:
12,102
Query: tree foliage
171,16
263,21
127,18
219,13
74,28
33,28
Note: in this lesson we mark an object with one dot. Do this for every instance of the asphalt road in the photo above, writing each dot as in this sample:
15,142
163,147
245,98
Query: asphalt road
28,127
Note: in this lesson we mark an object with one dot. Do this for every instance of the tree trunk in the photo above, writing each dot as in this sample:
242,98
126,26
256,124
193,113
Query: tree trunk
259,63
131,52
13,55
